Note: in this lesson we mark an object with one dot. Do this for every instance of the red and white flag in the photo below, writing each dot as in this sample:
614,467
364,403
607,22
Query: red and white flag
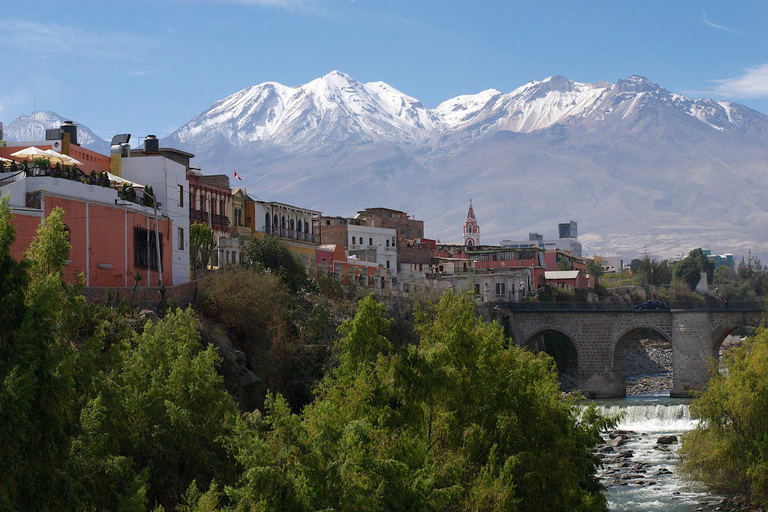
238,177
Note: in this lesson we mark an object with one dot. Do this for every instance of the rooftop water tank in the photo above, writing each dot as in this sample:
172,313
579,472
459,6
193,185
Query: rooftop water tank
151,144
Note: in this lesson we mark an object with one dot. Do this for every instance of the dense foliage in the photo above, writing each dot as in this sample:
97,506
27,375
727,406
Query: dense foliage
690,268
99,412
460,422
270,253
729,449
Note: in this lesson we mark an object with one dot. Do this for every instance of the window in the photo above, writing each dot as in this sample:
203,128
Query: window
181,195
387,242
353,240
501,289
387,263
144,248
370,241
181,239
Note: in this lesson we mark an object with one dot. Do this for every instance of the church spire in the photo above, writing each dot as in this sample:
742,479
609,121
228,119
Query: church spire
471,229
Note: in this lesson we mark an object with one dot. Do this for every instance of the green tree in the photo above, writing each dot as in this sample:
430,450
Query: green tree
270,253
594,269
689,269
461,421
650,270
168,410
729,448
201,246
37,392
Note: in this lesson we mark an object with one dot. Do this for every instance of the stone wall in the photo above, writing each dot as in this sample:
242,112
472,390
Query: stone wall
183,294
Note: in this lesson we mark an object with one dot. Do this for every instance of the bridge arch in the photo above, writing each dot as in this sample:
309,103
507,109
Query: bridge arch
563,347
723,325
623,340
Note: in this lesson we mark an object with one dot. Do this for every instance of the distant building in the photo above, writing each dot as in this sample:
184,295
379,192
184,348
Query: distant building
567,241
471,229
407,228
366,243
610,264
567,279
720,259
293,224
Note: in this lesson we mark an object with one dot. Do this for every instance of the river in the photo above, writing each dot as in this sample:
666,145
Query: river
641,475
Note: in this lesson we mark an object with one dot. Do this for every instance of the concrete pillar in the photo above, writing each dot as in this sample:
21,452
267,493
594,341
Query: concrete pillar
691,352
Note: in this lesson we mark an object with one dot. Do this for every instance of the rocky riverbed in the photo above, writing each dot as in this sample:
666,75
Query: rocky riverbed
628,465
648,365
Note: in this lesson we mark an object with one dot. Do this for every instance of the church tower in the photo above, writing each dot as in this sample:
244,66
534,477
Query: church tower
471,229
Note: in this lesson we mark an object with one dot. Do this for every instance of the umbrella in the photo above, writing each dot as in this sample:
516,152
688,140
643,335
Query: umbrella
3,161
119,181
30,153
60,158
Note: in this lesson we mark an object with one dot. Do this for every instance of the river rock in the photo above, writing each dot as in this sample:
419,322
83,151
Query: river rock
617,441
671,439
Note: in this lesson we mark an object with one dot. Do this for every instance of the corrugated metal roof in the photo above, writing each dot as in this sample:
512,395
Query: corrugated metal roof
561,274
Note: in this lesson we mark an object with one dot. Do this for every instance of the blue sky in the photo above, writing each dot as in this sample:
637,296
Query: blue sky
149,67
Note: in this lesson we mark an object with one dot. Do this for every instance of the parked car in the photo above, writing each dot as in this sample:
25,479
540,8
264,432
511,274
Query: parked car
651,304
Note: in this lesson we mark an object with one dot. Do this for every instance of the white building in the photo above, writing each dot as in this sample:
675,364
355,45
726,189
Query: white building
374,244
165,170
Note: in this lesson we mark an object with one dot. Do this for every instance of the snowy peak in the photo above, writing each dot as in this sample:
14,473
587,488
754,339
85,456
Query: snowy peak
337,110
637,83
32,127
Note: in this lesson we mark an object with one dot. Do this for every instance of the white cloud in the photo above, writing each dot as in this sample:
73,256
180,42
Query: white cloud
753,83
69,40
715,25
142,74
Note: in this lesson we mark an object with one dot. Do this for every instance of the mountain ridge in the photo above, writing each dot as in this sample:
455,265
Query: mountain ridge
639,167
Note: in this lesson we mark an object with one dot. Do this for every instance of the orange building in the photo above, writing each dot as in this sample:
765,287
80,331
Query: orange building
112,240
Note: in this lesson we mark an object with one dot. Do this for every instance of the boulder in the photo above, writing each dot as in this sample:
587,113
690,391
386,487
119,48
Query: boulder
671,439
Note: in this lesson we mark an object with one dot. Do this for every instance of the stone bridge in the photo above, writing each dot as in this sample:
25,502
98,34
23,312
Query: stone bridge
599,338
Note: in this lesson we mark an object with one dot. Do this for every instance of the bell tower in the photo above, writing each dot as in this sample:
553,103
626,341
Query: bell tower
471,229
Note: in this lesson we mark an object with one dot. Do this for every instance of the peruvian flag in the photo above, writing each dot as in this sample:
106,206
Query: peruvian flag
238,177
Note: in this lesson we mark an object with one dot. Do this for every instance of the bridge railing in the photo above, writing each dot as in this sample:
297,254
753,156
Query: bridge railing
603,306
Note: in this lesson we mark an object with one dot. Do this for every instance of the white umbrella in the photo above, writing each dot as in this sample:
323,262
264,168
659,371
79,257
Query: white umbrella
31,152
60,158
117,179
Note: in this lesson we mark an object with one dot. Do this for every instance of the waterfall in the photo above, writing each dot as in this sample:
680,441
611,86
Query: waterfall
651,417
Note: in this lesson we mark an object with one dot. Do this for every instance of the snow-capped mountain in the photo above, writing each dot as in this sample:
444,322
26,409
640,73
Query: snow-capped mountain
333,109
33,127
636,165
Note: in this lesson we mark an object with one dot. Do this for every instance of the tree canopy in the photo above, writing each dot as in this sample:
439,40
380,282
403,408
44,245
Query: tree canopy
271,253
729,448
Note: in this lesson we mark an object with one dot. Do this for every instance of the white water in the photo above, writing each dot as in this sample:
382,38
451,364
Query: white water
650,487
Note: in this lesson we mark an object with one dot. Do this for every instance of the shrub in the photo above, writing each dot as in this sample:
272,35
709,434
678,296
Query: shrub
729,449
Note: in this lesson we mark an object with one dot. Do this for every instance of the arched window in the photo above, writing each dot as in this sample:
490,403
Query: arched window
276,223
266,222
282,222
470,243
299,229
292,224
306,227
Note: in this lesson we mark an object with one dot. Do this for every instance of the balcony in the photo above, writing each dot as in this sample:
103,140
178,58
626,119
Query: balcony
216,221
291,234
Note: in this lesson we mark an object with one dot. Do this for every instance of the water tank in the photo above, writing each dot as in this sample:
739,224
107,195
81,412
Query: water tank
151,144
70,128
